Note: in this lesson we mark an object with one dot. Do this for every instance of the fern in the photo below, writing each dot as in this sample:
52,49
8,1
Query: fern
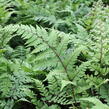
53,43
5,37
6,11
51,51
98,104
54,69
20,52
12,81
104,92
48,97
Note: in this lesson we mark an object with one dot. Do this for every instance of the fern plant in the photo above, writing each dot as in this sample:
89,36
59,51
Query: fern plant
96,102
54,69
97,43
52,53
6,11
12,80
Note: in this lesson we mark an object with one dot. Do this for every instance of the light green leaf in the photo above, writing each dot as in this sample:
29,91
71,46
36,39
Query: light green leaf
97,103
65,83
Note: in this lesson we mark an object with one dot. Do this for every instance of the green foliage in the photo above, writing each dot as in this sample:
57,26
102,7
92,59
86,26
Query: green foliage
54,54
12,80
104,90
6,11
96,102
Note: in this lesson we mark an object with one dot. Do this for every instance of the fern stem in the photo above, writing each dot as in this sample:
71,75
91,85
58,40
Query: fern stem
56,54
74,96
101,50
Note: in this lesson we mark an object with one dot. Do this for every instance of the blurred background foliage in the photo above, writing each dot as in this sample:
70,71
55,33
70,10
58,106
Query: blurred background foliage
58,14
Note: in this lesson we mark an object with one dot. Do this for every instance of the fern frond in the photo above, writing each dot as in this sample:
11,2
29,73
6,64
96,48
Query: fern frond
5,37
43,91
104,92
98,104
53,43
